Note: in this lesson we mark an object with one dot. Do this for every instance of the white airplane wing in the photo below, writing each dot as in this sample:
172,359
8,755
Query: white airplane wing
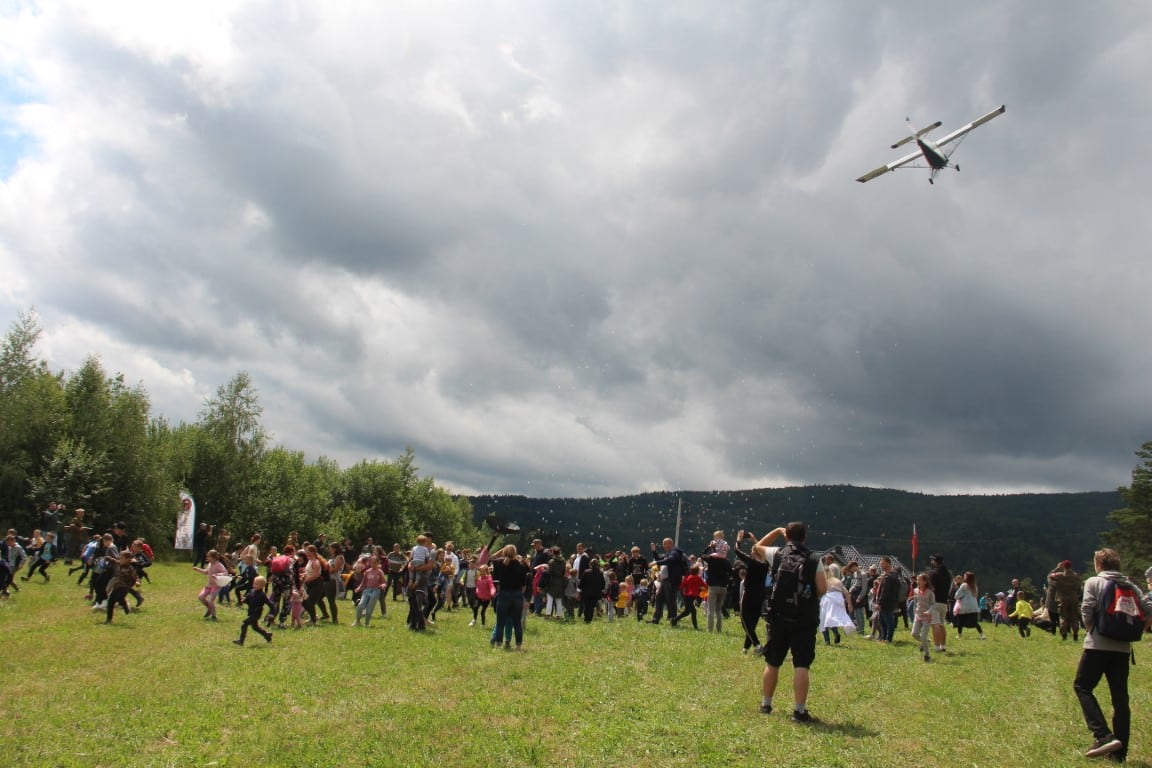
974,124
917,155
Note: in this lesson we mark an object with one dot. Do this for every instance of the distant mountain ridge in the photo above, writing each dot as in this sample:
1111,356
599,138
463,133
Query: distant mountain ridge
999,537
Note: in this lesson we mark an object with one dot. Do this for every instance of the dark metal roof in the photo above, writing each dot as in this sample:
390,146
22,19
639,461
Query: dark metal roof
845,554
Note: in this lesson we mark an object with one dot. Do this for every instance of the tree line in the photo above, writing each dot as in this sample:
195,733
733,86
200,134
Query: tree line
88,440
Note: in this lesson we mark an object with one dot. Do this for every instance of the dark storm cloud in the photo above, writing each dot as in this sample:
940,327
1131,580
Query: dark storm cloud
591,250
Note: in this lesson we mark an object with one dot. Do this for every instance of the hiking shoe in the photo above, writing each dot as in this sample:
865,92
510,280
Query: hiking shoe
1104,746
765,709
802,717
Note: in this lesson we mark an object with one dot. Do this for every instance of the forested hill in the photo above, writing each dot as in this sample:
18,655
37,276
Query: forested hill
998,537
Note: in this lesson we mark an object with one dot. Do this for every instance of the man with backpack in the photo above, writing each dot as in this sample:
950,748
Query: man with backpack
793,615
1115,614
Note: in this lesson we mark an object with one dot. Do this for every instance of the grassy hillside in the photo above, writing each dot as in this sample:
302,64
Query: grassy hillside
164,688
998,537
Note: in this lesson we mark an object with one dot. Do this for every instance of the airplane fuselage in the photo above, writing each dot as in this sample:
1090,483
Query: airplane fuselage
935,158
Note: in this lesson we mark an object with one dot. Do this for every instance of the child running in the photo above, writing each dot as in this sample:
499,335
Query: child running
1023,616
208,594
922,600
256,600
123,580
485,590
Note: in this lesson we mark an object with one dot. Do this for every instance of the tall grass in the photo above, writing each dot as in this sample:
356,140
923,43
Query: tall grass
162,687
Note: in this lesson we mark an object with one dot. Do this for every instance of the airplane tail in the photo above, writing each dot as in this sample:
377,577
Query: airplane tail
914,134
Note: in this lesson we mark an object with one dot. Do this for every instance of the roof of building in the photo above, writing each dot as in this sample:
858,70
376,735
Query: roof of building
845,554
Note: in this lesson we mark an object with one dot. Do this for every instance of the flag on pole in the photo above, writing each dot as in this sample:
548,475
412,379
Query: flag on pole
185,522
915,543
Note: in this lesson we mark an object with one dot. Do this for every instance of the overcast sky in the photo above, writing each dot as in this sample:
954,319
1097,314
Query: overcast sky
596,248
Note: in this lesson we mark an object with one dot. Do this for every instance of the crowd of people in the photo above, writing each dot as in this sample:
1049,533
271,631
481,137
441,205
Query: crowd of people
797,594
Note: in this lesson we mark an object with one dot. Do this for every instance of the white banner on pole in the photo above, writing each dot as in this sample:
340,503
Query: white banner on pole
185,522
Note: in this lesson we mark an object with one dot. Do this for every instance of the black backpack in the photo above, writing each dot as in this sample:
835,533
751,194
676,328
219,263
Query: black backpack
1119,613
793,595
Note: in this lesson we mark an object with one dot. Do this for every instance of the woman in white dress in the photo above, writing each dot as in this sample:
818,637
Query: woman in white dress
834,603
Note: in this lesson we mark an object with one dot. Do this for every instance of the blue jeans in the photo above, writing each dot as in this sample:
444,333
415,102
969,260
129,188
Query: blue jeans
509,616
368,599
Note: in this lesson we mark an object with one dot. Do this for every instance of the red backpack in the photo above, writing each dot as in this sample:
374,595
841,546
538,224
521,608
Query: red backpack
1120,614
280,563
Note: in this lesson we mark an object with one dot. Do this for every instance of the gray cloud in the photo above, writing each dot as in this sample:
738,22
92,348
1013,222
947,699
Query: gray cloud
571,250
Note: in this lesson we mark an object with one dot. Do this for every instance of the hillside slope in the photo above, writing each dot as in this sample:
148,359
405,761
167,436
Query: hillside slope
998,537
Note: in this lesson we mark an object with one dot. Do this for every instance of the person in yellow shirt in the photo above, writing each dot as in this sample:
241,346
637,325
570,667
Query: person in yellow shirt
1023,616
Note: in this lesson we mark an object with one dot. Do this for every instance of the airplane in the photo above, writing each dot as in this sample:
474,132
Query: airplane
930,151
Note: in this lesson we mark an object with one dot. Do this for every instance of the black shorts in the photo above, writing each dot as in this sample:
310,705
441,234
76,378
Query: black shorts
798,638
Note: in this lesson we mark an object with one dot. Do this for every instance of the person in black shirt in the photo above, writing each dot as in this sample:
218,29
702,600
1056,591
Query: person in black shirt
752,595
792,634
592,585
510,572
717,576
941,581
256,600
889,599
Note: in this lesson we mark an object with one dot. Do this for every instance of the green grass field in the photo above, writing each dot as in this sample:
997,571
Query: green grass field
162,687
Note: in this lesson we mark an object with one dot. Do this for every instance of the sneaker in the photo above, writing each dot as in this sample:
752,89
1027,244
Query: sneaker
238,642
268,637
927,657
1104,746
802,717
472,623
765,709
757,650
